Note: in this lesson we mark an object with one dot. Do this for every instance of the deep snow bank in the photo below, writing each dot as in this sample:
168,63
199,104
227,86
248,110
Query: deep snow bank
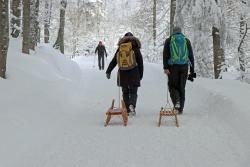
35,99
44,63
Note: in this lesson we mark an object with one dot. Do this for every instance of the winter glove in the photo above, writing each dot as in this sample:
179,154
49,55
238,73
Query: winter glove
108,75
192,71
191,76
167,72
141,75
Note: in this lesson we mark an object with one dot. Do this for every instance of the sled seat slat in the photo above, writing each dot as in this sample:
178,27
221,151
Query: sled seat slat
168,112
112,111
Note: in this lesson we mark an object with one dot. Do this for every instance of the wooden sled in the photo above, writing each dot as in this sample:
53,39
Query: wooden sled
113,111
168,112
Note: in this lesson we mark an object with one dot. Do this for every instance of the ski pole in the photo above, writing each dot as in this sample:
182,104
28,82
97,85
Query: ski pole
167,91
119,88
94,61
168,103
106,62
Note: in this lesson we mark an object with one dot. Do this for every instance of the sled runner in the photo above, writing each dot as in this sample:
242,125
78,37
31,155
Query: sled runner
113,111
168,112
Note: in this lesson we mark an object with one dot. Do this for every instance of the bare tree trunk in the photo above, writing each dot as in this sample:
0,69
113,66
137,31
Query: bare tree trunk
76,28
37,22
172,14
154,23
4,35
15,20
48,6
33,23
243,32
59,44
26,26
219,59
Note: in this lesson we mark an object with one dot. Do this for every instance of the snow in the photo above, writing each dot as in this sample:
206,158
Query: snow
52,115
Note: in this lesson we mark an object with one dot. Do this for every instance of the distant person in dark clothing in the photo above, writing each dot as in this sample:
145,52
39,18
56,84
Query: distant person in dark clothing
177,55
100,49
130,69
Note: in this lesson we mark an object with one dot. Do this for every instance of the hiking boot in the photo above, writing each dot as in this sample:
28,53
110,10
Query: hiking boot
132,110
133,113
177,106
180,112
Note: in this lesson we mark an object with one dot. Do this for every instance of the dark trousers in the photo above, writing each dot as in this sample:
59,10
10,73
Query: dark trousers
177,83
129,94
101,62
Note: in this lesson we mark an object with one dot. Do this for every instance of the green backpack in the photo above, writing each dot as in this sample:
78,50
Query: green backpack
178,49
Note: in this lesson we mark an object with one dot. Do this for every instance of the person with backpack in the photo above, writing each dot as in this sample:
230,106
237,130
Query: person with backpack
130,69
100,49
177,56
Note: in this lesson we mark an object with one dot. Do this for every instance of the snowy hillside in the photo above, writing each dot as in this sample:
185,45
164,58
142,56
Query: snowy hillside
52,115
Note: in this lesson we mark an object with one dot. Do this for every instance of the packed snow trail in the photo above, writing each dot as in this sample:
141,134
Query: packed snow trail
63,128
205,136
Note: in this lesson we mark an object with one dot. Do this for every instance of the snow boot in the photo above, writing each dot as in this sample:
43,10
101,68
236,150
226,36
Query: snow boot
177,106
180,112
132,110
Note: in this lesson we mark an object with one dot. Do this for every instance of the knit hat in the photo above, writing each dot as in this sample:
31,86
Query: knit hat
176,30
128,34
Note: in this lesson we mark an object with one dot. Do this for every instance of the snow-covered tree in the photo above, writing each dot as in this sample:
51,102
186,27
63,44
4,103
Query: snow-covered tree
4,35
86,22
218,30
26,26
143,22
15,18
172,14
244,41
218,53
47,19
154,22
59,44
34,24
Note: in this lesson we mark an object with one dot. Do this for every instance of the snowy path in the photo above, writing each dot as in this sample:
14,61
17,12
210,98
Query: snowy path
211,133
203,139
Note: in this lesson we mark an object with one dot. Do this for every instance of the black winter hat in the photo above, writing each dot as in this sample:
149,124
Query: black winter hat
128,34
176,30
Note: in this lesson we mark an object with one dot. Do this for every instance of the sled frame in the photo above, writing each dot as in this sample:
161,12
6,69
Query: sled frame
120,111
168,113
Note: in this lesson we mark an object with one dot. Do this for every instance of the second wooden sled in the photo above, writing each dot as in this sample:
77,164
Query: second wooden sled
114,111
168,112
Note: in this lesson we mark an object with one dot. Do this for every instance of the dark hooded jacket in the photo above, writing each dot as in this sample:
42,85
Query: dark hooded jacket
167,54
129,77
100,49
